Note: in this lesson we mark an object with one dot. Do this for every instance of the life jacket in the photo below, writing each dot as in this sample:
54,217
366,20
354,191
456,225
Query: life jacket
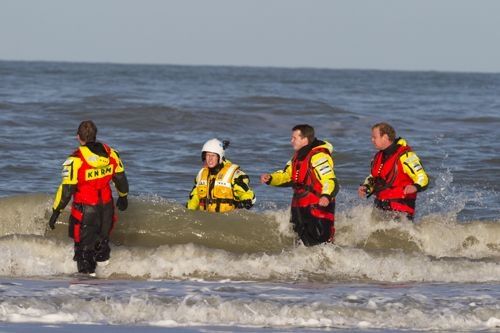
306,186
390,181
216,193
94,176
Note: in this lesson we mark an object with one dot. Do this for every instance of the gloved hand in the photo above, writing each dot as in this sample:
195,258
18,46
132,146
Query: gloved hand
53,219
122,203
247,204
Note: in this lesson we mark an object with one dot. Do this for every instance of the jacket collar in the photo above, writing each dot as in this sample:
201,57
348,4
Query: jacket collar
302,152
387,152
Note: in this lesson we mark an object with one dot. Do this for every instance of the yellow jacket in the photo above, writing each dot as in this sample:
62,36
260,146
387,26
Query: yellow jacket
323,167
223,191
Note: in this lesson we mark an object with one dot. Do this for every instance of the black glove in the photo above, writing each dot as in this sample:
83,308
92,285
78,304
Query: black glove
247,204
53,219
122,203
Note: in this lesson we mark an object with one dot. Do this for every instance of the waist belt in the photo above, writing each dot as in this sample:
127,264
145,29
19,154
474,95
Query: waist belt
306,190
217,201
207,201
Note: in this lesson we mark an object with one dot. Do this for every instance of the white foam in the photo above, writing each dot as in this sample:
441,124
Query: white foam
324,262
33,316
493,322
190,305
435,234
36,256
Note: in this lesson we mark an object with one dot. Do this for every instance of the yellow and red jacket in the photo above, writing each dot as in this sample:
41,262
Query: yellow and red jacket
86,176
222,190
391,174
311,174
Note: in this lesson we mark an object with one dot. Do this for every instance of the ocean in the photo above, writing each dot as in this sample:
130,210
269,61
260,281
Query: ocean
184,271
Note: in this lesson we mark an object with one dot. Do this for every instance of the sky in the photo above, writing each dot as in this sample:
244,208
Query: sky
441,35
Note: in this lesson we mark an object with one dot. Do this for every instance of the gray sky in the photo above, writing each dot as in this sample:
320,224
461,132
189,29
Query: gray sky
445,35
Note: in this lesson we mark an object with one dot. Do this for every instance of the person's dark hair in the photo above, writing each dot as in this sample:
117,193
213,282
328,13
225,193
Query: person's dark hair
87,131
306,131
385,128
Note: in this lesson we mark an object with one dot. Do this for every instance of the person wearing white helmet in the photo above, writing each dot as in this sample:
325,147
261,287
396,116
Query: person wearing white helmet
220,185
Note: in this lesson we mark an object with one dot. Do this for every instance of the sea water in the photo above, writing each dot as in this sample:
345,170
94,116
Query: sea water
178,270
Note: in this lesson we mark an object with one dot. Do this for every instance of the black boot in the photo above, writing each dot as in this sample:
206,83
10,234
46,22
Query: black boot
85,261
102,250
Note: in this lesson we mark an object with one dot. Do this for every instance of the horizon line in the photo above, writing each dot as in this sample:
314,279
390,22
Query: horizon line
298,67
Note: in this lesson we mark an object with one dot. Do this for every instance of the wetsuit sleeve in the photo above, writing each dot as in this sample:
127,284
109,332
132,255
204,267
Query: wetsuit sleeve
241,187
414,169
68,183
194,200
322,165
119,165
282,177
119,178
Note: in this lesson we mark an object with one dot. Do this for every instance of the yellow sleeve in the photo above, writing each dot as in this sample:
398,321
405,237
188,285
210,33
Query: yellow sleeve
194,200
119,168
70,170
282,177
413,168
119,177
241,187
69,180
322,165
59,198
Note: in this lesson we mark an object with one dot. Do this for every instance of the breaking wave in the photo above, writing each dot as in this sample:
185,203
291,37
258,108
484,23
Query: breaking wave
159,239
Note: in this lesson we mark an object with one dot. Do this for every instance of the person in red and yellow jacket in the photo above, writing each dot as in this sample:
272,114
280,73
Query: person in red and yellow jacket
220,186
397,174
85,177
311,175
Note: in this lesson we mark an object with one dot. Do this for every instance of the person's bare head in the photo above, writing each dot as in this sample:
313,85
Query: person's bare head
87,132
383,135
302,135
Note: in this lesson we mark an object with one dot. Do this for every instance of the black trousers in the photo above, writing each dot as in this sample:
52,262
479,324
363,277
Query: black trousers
91,235
311,230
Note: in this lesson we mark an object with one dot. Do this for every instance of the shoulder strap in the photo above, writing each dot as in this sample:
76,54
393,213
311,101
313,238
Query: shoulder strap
229,172
200,174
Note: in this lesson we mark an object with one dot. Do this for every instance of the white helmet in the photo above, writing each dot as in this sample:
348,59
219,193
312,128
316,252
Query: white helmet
213,146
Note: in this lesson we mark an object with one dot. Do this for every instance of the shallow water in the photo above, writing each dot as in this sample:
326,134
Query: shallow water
244,271
244,305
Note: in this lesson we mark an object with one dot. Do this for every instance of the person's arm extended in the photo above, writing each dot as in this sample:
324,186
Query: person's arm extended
282,178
